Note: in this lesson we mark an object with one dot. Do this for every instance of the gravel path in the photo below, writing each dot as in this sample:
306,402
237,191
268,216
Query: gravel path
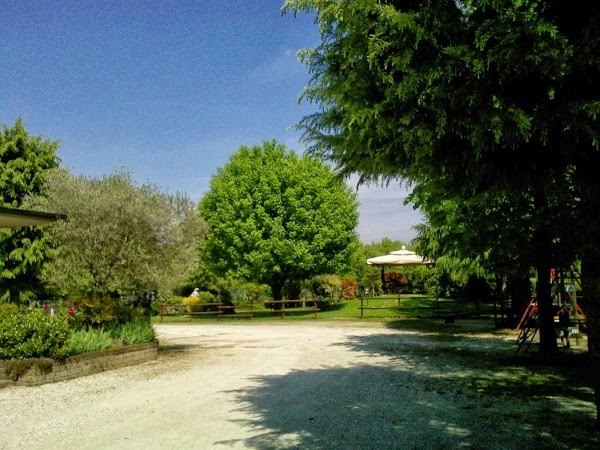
313,384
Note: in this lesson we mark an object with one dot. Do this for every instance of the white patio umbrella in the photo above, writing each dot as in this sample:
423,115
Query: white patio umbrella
400,257
385,260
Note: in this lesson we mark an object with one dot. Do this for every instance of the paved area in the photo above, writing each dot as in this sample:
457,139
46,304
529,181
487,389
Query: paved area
289,384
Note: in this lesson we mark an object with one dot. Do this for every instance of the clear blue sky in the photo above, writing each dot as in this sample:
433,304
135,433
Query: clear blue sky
166,89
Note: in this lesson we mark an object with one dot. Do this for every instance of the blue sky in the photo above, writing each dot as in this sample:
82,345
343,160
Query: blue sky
166,89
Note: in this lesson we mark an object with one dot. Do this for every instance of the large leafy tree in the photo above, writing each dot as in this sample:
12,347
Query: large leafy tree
24,164
467,97
276,217
120,238
470,97
492,231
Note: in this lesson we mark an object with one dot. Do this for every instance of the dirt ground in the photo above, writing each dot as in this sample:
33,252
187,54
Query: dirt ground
315,385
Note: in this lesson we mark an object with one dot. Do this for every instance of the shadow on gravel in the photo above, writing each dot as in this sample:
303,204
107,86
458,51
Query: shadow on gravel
174,349
406,393
444,329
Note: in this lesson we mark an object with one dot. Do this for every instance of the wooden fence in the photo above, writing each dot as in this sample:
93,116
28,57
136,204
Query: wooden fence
221,310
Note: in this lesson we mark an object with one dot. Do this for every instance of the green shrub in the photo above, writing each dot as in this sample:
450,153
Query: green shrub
135,332
325,287
255,292
437,285
106,310
192,303
8,309
88,340
174,300
33,334
206,297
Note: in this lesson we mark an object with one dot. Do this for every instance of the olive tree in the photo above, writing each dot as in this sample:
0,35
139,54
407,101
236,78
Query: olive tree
120,237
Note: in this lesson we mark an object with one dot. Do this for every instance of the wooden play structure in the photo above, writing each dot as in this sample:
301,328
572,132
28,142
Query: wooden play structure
569,318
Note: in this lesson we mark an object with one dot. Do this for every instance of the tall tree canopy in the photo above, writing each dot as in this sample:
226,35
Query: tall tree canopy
120,238
24,164
277,217
469,98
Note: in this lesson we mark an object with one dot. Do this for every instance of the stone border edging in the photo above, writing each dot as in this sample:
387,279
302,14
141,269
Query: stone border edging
36,371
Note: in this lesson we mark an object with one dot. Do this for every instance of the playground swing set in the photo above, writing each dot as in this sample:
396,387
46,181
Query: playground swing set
569,317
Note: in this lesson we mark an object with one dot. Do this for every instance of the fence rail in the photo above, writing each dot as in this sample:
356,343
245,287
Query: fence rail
436,307
449,310
221,310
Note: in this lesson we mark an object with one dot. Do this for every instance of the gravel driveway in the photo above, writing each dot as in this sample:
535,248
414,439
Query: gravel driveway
309,384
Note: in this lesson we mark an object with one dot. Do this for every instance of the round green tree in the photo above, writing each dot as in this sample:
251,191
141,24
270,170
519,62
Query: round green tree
275,217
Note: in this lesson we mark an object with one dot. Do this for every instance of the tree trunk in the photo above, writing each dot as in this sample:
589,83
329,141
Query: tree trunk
590,262
543,263
14,295
292,290
590,277
548,342
277,291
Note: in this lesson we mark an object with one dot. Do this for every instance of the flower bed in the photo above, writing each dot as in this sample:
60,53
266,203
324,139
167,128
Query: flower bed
36,371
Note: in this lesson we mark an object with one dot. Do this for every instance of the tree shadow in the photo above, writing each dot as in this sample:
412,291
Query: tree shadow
437,325
171,350
402,393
